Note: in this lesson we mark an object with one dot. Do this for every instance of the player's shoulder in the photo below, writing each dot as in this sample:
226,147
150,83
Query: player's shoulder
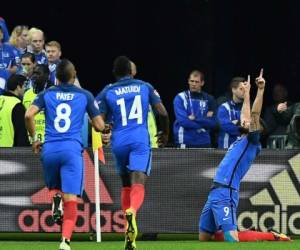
47,91
181,95
80,90
107,87
103,92
141,82
52,88
149,86
225,105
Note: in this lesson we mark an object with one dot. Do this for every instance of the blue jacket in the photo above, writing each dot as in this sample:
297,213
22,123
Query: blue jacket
5,30
227,112
193,133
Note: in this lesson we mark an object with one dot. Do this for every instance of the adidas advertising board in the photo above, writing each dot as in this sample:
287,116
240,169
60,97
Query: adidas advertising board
175,192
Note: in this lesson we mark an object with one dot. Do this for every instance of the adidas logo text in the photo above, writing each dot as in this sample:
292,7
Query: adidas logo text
284,216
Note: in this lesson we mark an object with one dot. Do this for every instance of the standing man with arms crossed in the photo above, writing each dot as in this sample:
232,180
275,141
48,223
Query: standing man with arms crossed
219,212
65,106
127,102
194,112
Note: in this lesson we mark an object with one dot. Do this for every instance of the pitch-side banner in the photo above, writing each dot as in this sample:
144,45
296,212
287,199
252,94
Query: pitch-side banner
175,192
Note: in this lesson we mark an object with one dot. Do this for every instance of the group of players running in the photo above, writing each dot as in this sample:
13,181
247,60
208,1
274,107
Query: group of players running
125,104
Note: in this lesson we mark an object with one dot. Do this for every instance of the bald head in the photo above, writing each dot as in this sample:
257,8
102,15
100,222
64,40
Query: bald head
65,72
36,39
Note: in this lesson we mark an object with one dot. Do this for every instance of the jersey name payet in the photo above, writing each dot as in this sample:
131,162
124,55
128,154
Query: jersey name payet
64,96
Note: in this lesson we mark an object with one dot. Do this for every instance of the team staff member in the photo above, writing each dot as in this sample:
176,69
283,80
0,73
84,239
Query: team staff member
40,82
229,114
12,127
194,112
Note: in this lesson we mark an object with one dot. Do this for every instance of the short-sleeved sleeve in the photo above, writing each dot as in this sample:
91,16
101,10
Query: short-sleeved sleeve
101,100
153,94
39,100
92,106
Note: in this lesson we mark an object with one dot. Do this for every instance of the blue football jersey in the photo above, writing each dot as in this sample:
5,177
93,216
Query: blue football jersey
126,103
41,58
65,106
7,56
238,160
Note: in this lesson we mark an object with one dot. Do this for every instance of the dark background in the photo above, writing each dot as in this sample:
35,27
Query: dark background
168,39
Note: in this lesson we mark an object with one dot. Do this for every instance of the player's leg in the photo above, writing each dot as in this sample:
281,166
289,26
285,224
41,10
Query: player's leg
125,191
57,206
51,165
225,214
72,185
139,167
251,235
137,193
207,225
121,157
69,220
224,211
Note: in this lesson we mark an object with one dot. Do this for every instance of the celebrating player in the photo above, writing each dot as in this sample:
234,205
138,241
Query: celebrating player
127,102
219,212
64,106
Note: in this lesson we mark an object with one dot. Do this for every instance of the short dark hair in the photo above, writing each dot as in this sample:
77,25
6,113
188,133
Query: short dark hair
63,70
197,72
44,68
14,81
28,55
235,81
121,67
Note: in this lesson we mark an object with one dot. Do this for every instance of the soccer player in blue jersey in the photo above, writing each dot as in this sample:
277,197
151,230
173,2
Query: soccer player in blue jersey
127,102
219,212
64,106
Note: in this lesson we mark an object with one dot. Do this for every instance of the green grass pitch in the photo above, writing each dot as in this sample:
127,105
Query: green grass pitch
152,245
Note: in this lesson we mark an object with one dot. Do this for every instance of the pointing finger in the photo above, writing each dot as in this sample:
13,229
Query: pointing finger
261,73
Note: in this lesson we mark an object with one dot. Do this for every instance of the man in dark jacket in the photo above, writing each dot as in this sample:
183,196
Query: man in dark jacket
12,125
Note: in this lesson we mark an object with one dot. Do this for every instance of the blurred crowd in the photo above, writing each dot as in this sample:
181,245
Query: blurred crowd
28,66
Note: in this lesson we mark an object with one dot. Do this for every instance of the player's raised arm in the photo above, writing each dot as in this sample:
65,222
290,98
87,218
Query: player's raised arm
245,112
257,105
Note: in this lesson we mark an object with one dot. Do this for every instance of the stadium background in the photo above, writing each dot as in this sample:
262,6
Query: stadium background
167,39
176,192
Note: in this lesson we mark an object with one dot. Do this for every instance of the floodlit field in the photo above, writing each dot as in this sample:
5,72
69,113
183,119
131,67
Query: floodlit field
153,245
